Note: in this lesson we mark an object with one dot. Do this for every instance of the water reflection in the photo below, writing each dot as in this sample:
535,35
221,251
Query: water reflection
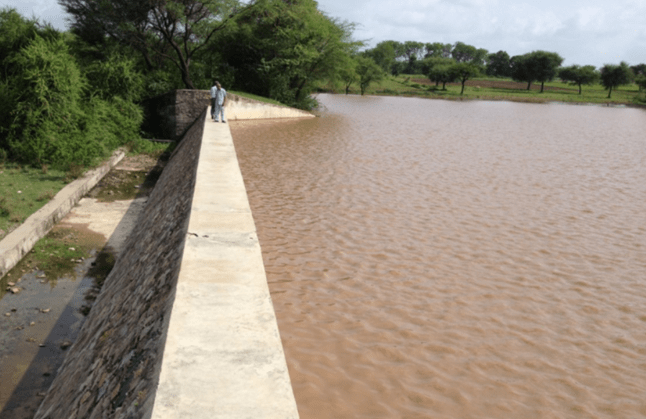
455,259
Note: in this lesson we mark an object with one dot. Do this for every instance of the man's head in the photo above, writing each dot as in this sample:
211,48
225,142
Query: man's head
217,83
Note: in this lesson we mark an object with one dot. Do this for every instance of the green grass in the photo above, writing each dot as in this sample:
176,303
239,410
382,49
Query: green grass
258,98
407,85
24,190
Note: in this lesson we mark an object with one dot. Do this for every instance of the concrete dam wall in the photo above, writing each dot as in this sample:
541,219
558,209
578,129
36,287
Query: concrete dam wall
184,326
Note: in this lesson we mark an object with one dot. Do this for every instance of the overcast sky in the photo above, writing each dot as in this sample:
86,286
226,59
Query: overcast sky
582,31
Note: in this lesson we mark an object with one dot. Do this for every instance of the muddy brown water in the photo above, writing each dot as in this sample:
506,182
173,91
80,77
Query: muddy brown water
434,259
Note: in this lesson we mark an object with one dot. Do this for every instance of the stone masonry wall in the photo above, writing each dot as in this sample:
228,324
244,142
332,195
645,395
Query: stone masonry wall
168,116
112,370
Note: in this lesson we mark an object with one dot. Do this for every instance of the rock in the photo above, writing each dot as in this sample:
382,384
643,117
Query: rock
72,249
45,310
15,290
66,344
20,327
32,323
7,314
11,284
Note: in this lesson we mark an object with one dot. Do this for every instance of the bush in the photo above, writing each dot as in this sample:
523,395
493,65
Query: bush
55,119
45,95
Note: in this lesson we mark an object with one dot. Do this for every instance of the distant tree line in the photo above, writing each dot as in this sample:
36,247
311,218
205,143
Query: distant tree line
459,62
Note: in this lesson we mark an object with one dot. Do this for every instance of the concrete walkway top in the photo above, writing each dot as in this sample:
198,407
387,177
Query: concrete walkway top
223,356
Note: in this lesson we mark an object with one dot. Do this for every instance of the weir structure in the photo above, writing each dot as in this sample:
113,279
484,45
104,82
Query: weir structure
184,326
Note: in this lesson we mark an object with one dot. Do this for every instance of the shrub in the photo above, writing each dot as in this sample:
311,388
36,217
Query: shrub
46,92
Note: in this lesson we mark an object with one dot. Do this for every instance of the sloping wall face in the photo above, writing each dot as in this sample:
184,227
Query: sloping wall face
113,368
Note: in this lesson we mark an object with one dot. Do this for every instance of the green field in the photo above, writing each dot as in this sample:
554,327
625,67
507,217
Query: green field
498,89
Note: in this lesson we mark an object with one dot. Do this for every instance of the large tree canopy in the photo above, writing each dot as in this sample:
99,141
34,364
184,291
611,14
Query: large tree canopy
281,48
173,30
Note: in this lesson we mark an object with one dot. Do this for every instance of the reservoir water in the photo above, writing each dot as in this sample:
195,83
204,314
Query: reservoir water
438,259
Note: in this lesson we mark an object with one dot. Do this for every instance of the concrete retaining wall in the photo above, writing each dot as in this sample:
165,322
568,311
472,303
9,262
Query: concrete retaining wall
168,116
184,326
20,241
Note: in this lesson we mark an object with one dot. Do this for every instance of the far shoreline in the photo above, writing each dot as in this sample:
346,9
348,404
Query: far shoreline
498,90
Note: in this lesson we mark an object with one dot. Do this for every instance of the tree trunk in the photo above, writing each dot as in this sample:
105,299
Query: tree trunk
579,88
462,91
609,92
542,86
529,84
186,78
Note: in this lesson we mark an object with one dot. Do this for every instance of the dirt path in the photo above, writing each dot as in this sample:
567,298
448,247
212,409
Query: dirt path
42,320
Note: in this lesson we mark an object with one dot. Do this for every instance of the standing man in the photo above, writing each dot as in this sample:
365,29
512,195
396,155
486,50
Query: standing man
218,96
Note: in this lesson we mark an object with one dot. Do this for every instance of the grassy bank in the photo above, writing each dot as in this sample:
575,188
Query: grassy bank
499,89
25,189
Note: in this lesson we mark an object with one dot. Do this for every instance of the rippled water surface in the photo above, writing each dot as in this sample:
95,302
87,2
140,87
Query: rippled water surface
432,259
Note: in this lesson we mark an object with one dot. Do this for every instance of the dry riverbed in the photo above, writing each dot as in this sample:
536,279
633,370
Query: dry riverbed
45,298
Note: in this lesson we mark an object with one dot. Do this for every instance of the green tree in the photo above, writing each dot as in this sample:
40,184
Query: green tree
641,81
639,71
463,53
384,55
540,66
437,50
498,64
348,74
464,72
282,48
578,76
545,66
441,73
615,75
521,69
161,30
368,72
